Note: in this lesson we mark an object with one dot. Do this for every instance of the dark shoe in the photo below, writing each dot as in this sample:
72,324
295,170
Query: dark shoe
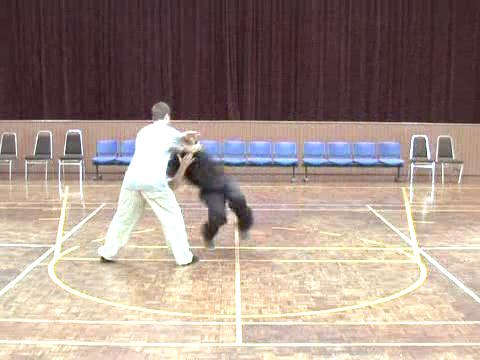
209,243
244,235
194,260
105,260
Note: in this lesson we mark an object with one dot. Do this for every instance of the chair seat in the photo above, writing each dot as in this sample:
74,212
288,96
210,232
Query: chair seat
366,161
260,161
234,161
8,157
450,161
341,161
38,157
391,161
311,161
124,160
67,157
103,160
285,161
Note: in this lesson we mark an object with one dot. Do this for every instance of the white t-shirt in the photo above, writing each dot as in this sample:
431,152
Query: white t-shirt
148,168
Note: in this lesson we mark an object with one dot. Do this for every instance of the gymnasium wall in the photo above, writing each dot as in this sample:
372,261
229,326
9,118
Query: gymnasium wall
465,136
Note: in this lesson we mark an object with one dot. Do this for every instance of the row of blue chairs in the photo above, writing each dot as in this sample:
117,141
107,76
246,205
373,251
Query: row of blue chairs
315,154
266,153
113,152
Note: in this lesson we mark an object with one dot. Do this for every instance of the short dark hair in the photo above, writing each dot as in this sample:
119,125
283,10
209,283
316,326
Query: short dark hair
160,110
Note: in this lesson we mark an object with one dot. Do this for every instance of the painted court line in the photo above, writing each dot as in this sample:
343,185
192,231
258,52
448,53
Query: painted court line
27,245
429,258
47,253
141,344
238,295
278,261
231,323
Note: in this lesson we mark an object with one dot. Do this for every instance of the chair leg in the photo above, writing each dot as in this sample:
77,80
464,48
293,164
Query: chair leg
443,173
461,173
60,178
10,170
411,174
433,179
305,176
397,178
293,174
81,175
46,170
26,170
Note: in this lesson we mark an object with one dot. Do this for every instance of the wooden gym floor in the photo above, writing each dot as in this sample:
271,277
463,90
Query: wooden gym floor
329,272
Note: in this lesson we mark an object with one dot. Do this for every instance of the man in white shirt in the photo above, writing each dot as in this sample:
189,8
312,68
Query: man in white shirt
146,182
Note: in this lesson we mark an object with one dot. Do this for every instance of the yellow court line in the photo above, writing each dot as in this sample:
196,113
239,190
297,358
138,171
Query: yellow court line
329,233
53,276
299,261
401,251
141,344
249,322
61,225
283,228
305,248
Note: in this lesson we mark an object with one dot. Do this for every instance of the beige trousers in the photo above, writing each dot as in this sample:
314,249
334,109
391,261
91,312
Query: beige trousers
130,209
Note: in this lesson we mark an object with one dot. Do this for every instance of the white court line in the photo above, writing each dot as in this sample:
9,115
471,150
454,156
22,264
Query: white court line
238,296
27,245
276,261
141,344
231,323
429,258
47,253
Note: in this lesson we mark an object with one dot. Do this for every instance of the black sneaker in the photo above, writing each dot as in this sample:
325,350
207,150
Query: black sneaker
244,235
209,243
194,260
105,260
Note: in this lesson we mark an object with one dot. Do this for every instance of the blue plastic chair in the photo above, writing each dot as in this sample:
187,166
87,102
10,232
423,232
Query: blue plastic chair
260,153
390,154
340,153
285,154
127,149
314,154
106,154
234,153
212,148
365,154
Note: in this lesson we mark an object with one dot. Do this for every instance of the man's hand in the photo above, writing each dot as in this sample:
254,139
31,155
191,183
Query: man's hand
185,162
190,136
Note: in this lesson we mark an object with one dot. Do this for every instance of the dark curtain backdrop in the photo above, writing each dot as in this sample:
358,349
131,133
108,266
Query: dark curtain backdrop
365,60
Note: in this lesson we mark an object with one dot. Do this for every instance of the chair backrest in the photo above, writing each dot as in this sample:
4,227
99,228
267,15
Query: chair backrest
43,143
339,149
73,142
364,150
211,147
107,147
127,147
285,149
234,148
260,149
8,144
390,149
314,149
445,147
419,147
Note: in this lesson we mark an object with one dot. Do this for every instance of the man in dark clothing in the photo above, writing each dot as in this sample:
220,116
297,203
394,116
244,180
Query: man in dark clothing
215,190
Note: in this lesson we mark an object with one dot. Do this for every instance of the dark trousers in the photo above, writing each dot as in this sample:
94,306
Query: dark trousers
216,200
